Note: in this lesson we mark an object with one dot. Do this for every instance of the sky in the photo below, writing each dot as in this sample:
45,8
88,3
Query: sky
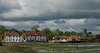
67,15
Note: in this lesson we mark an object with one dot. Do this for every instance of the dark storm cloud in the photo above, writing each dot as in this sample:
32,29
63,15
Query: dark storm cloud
60,21
6,5
49,9
63,14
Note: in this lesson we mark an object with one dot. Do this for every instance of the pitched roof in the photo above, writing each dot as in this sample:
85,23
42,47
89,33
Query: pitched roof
33,33
40,33
60,37
11,33
74,37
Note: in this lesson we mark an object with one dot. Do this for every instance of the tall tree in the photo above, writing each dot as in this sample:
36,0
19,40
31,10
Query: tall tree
35,28
2,29
47,33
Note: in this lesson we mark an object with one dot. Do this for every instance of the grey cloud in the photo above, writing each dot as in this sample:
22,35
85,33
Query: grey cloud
50,9
6,5
59,21
41,11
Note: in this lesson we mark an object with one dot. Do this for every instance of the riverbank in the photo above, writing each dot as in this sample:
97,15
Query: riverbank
93,47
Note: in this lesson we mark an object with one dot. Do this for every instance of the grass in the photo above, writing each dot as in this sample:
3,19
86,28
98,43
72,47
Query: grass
50,48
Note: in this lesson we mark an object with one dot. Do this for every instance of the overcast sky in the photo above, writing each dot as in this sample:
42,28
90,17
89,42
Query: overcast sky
67,15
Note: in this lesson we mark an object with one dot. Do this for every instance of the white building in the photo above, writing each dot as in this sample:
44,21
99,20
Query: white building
60,39
12,37
33,37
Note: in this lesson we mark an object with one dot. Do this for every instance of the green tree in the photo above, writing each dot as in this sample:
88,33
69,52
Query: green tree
60,33
74,33
2,29
80,34
47,33
67,33
35,28
98,36
14,30
89,34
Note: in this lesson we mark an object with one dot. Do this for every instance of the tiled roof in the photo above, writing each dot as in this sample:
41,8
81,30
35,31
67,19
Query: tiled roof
74,37
90,38
40,33
11,33
33,33
60,37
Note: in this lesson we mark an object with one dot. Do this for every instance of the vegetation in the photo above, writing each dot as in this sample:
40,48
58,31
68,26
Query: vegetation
98,36
47,32
35,28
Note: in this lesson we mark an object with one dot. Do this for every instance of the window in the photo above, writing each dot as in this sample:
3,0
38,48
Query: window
13,39
16,39
19,39
7,40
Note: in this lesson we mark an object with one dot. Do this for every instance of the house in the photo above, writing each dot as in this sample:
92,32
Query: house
12,37
33,37
90,39
60,39
74,38
84,39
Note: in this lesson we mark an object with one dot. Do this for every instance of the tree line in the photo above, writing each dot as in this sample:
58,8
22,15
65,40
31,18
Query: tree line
46,31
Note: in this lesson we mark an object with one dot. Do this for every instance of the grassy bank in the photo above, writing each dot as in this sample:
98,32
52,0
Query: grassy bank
50,48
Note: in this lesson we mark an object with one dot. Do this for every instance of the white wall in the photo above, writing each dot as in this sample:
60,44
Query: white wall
60,40
35,38
13,39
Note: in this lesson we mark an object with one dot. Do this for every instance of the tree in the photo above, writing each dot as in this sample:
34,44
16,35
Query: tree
98,36
35,28
80,34
67,33
73,33
89,34
47,33
2,29
59,32
14,30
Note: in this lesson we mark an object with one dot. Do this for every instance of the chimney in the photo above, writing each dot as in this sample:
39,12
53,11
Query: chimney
35,31
23,31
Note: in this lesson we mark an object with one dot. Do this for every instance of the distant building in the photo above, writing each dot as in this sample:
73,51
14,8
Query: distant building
74,38
84,37
84,33
33,37
12,37
60,39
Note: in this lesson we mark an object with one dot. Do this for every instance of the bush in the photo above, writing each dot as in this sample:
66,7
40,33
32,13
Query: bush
98,36
98,40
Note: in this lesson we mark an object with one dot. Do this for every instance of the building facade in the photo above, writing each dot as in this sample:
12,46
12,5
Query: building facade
12,37
74,38
33,37
60,39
